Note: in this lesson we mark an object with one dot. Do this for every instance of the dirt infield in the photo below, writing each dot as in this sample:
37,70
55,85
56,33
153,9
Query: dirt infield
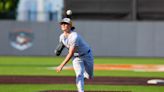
71,80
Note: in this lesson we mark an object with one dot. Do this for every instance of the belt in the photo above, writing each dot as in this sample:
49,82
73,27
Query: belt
83,54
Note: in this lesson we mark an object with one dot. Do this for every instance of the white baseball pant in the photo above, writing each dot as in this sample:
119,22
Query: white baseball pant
83,67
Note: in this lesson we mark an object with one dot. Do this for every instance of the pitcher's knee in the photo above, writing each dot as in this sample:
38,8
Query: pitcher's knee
80,76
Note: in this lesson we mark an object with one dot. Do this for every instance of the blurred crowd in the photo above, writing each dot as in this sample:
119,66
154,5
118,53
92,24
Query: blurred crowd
39,10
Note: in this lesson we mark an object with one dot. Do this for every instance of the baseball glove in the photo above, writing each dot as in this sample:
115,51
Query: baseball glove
59,49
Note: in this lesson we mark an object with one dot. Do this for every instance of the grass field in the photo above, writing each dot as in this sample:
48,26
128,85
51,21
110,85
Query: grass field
34,66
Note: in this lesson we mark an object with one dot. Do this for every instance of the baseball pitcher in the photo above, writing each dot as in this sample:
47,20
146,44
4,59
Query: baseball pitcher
78,50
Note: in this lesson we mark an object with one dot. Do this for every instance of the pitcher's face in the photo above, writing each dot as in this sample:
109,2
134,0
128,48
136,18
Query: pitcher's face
65,27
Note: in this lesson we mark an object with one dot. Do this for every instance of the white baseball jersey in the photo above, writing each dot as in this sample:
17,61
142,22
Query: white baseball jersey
75,39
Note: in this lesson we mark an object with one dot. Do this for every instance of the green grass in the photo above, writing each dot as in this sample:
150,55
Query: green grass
36,66
98,60
43,87
40,66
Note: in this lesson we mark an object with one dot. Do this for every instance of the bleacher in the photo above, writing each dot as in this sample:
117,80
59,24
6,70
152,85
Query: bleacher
116,9
150,9
99,9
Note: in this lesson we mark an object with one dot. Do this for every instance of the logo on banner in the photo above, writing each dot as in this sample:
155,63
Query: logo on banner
21,39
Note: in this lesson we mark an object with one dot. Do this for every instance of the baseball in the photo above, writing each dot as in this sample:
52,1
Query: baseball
69,12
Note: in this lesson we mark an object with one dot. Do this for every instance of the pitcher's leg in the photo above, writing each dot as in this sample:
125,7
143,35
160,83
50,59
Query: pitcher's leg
78,66
89,66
